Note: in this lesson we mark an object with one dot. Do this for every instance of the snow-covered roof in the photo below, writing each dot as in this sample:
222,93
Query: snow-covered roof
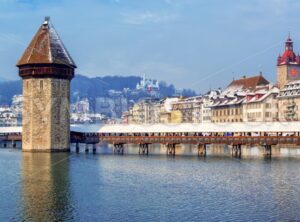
228,101
46,47
177,128
14,129
291,89
265,94
189,127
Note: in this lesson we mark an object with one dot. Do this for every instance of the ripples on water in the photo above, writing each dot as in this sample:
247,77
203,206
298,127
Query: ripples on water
79,187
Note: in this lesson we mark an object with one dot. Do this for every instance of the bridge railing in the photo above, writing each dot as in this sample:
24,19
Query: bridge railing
203,139
11,137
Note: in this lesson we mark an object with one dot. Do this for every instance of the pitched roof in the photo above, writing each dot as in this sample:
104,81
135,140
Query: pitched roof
260,95
46,47
291,89
249,83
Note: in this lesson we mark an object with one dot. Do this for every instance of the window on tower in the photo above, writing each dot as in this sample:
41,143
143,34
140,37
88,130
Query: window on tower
41,84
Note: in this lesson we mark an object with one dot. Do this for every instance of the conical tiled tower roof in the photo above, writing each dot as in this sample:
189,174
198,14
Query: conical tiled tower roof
46,47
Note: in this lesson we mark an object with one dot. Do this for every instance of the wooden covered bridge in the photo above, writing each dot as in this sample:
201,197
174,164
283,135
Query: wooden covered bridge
235,135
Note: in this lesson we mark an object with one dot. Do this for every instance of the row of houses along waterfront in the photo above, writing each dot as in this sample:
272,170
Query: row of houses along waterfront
249,99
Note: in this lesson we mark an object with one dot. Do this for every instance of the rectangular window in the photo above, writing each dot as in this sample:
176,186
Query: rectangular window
58,86
41,84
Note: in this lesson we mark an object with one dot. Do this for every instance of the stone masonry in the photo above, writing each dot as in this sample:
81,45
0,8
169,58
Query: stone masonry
46,114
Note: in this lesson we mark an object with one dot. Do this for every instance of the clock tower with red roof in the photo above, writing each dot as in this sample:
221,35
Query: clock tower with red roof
288,65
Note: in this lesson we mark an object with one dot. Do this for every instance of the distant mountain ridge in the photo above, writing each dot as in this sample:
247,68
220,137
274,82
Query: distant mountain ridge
92,87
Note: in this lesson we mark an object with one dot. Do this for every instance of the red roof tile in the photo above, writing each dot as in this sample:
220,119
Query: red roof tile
250,82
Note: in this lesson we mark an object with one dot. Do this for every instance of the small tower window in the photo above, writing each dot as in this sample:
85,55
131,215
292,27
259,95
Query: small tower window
41,84
58,86
27,84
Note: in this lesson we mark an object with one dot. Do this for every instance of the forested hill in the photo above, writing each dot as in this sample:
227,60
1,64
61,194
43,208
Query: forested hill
82,86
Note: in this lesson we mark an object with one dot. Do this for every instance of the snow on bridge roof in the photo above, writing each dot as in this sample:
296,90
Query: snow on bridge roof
14,129
190,127
178,128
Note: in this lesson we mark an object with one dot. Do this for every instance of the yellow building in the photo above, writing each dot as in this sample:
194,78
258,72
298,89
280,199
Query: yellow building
176,116
151,111
227,110
185,107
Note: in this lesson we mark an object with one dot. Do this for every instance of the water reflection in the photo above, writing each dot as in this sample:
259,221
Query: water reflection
46,187
90,187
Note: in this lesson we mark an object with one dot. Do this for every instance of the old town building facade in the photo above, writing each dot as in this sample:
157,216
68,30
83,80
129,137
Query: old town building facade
289,102
248,99
261,105
228,107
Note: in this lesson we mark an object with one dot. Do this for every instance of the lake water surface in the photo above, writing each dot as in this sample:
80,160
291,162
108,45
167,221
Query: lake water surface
80,187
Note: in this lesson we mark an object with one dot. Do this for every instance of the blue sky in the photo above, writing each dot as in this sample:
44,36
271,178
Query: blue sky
198,44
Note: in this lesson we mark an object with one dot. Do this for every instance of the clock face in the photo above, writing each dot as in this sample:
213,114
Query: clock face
294,72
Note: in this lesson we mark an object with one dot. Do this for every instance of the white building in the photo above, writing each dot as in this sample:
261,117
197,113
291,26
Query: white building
7,118
261,105
82,106
111,107
148,85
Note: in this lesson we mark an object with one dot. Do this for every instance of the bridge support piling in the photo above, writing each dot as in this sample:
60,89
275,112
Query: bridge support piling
119,149
77,147
144,149
202,150
236,150
86,148
267,150
171,149
94,148
13,144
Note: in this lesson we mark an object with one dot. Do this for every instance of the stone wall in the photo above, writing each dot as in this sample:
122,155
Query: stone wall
46,114
281,75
